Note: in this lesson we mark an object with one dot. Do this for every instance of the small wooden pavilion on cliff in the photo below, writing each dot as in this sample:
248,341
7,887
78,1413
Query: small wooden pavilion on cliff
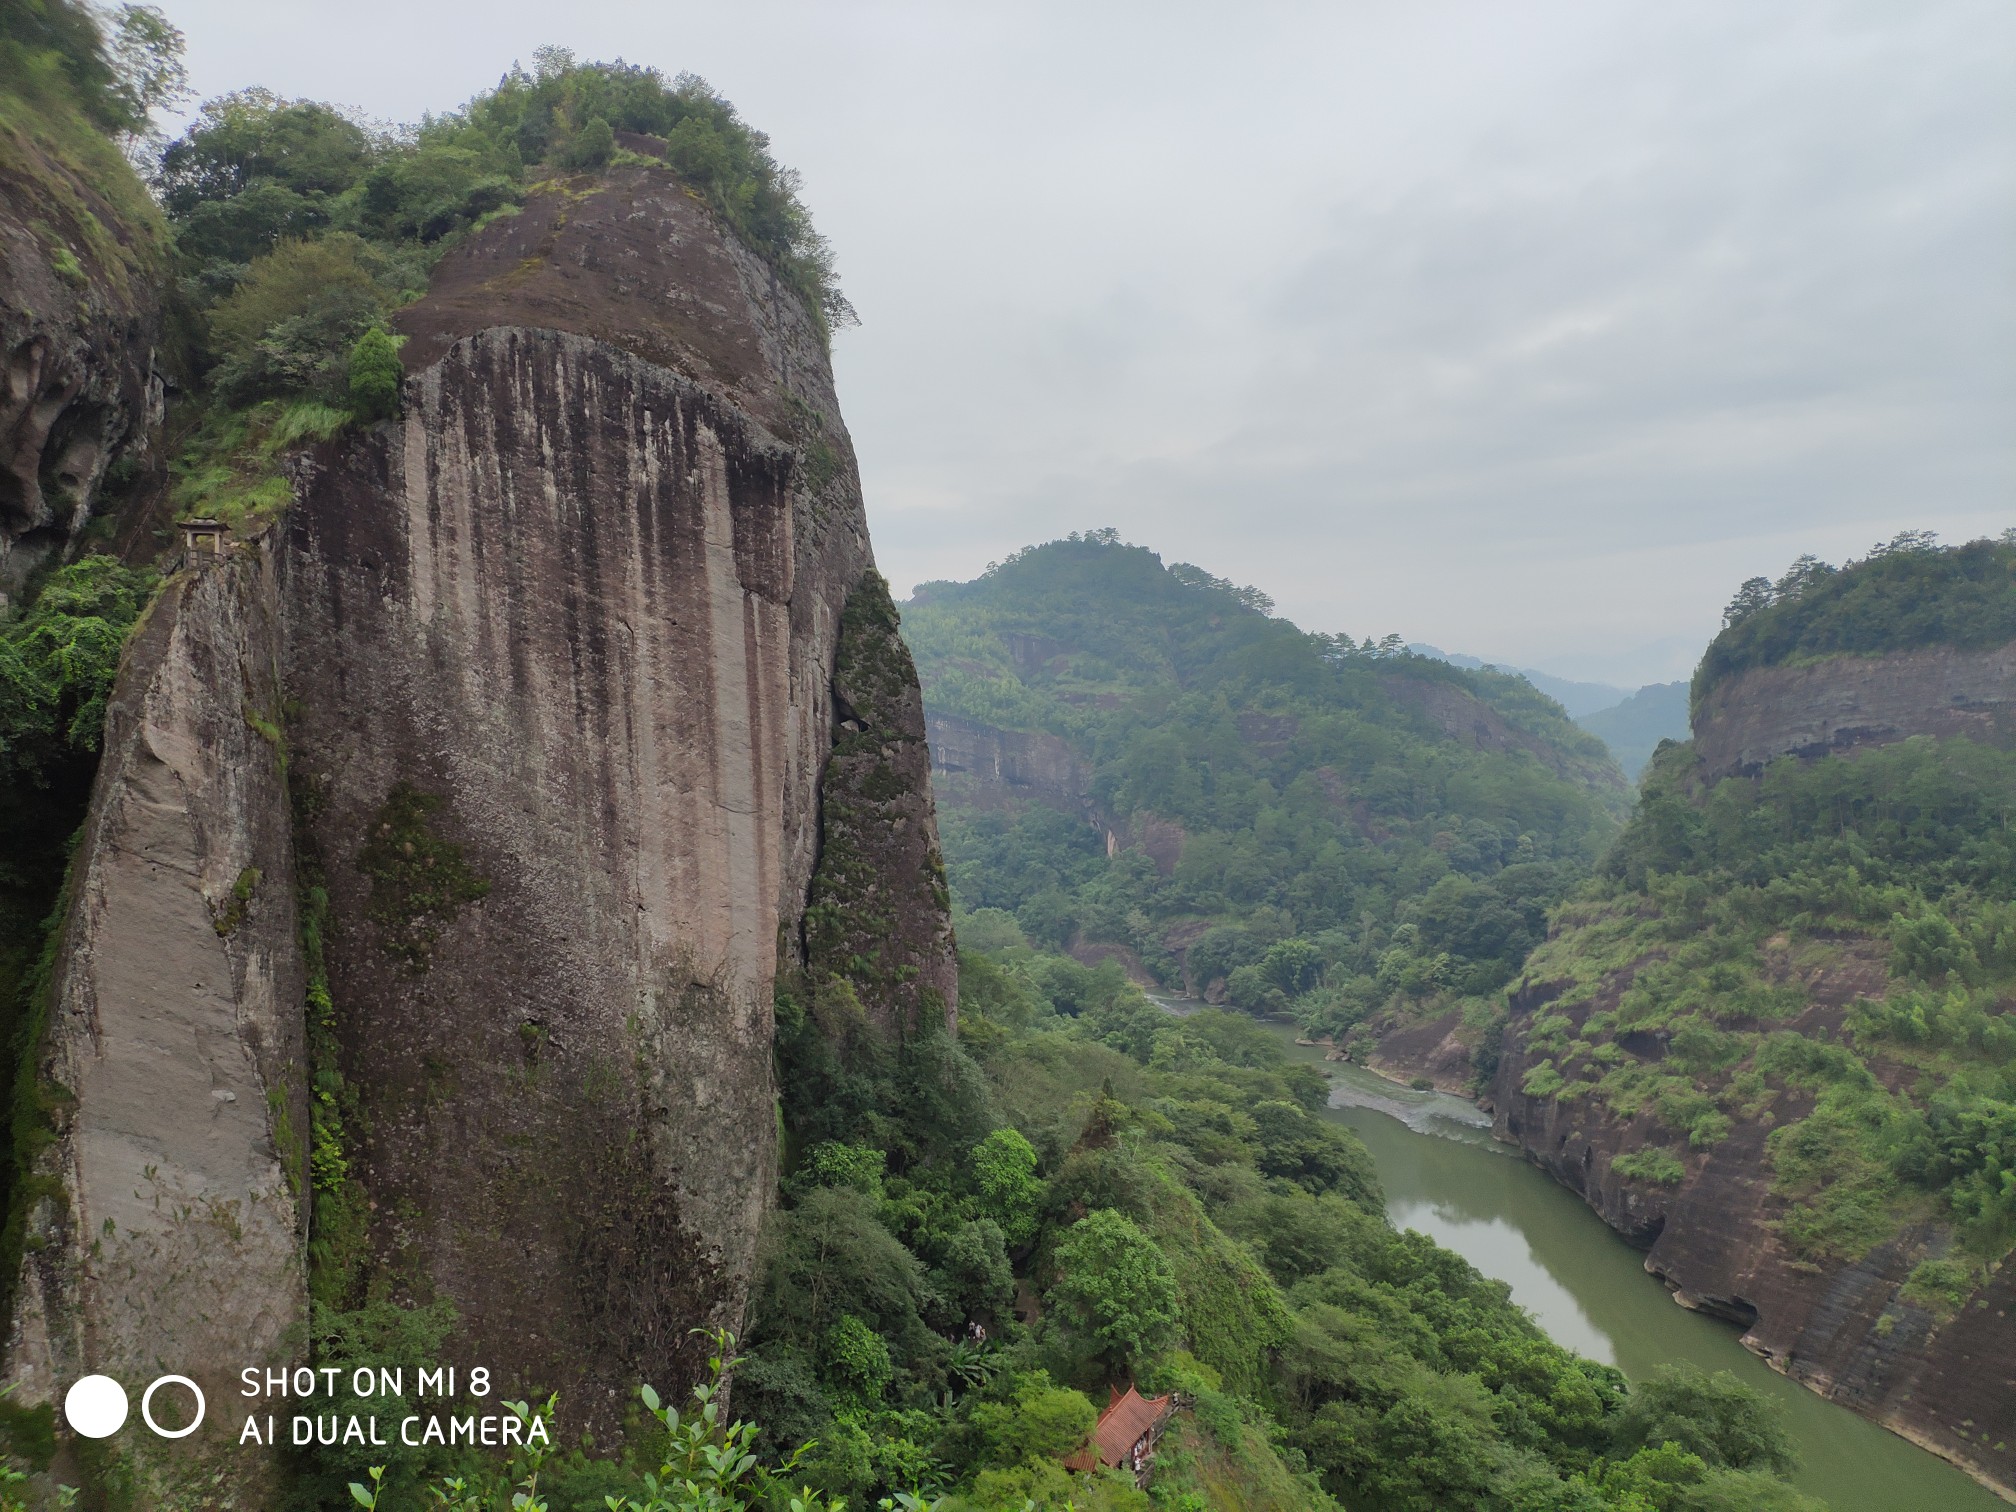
1127,1434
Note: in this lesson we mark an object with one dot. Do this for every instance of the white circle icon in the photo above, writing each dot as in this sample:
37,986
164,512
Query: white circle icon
147,1401
95,1406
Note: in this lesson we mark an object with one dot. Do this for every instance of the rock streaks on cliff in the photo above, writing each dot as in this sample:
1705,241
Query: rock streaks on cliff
1845,702
568,626
168,1225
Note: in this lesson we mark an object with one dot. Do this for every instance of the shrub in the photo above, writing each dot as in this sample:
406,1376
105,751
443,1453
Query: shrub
1651,1164
374,375
592,145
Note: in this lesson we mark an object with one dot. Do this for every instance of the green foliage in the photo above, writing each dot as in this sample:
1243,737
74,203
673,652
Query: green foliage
115,80
834,1164
378,1335
1719,899
291,325
374,375
1117,1285
1904,595
1033,1421
591,146
1651,1164
1194,1227
1004,1174
1715,1416
57,662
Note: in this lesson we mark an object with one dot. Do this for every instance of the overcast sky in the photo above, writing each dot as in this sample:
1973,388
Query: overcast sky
1529,329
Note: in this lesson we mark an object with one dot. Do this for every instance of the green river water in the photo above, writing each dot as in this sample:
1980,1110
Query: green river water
1446,1177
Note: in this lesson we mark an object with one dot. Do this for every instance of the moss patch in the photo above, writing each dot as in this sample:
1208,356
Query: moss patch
419,882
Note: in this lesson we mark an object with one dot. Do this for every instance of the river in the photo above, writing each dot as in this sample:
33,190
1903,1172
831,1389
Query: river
1446,1176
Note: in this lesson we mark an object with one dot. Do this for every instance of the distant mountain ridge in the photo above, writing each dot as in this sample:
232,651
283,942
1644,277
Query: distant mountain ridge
1630,724
1578,698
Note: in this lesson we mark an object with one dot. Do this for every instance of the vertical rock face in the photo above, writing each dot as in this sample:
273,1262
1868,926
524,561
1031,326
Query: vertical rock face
581,607
559,656
164,1228
78,325
1844,702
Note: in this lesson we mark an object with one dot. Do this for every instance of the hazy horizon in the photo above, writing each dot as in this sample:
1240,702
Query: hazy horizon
1528,332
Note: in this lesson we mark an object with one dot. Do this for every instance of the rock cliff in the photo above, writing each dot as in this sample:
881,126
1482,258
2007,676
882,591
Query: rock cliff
1846,702
1603,1062
985,767
1850,1332
80,320
165,1217
557,649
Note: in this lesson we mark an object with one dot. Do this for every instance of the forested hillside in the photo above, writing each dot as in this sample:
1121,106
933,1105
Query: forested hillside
1256,810
1777,1019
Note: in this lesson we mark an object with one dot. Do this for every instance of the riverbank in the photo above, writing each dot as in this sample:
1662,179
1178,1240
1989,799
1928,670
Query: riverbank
1446,1176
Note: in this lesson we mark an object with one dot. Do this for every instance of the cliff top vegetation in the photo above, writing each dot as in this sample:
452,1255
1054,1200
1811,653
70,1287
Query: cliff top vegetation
300,228
1907,593
77,86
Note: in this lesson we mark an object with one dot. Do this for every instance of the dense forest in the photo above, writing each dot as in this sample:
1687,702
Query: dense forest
1343,839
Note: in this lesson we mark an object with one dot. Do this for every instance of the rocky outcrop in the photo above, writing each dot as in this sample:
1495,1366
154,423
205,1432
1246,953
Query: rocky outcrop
1846,702
559,648
1848,1332
880,912
584,603
1434,1051
165,1218
80,318
982,766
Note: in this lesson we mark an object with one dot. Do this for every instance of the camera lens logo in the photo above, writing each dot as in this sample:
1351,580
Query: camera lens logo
96,1407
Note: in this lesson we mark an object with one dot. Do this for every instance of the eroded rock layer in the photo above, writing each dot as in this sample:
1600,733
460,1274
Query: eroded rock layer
558,648
165,1227
1845,702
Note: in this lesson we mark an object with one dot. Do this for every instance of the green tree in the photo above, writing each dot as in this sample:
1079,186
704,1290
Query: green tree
1115,1283
291,325
375,375
1729,1425
1004,1170
592,146
57,663
1035,1421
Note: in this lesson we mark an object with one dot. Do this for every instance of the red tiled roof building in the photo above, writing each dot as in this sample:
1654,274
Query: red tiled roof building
1126,1434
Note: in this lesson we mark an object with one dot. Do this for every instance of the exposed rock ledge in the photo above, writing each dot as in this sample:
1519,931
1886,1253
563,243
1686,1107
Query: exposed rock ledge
1846,702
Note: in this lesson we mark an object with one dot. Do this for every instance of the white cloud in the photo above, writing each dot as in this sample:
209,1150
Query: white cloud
1527,330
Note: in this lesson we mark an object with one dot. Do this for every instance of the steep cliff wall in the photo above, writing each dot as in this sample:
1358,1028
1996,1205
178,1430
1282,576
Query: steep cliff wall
558,648
576,617
1849,1332
1845,702
164,1226
1461,715
81,258
985,767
